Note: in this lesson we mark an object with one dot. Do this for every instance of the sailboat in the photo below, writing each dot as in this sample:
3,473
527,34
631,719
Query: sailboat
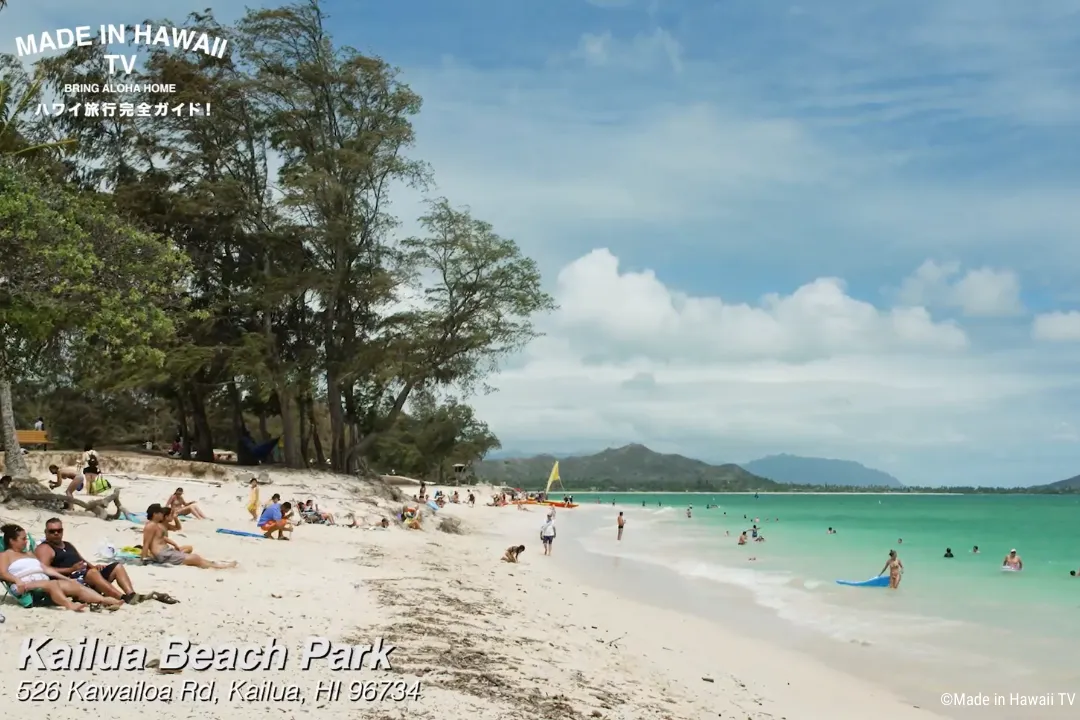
553,479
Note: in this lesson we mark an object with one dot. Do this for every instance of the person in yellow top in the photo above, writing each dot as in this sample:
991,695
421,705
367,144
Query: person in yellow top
253,499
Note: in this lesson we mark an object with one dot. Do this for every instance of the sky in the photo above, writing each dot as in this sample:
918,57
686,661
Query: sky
834,229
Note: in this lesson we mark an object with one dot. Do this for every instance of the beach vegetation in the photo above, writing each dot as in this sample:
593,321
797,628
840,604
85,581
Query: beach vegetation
261,287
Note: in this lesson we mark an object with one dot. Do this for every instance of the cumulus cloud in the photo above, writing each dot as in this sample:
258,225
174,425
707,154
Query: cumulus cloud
1057,327
636,313
981,292
814,370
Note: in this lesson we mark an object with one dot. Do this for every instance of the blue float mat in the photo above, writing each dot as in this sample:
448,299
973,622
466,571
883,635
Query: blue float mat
240,533
879,581
433,505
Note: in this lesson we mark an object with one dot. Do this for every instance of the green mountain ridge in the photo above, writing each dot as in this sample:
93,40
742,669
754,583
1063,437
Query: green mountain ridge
631,467
797,470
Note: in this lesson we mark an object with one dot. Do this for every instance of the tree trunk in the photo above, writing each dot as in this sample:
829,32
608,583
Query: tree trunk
14,462
264,432
305,434
185,433
244,455
320,457
290,447
204,439
337,422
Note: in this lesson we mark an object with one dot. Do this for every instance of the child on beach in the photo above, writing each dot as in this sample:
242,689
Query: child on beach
253,499
512,553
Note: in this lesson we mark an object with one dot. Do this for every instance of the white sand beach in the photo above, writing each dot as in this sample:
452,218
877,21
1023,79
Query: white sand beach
483,638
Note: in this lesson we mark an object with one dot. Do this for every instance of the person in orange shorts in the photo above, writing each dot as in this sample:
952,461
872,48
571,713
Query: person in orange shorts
273,519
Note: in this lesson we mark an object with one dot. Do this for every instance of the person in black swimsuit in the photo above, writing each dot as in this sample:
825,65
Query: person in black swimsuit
65,558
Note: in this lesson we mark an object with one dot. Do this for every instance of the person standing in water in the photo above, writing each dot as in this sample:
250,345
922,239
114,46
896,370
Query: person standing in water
895,568
689,511
622,523
1013,561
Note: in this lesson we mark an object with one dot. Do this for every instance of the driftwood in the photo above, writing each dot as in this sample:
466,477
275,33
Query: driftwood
30,490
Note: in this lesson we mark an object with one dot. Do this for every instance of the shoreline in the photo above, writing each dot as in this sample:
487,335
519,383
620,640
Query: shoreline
485,639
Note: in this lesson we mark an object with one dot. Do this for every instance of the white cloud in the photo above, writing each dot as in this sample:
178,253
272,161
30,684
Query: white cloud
1057,327
643,52
627,358
982,292
638,313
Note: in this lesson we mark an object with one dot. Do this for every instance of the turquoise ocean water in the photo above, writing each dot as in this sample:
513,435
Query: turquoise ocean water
962,611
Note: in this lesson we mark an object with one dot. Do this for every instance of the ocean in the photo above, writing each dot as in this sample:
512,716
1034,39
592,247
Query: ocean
955,623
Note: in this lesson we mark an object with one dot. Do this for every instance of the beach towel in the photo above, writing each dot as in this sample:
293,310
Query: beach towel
241,533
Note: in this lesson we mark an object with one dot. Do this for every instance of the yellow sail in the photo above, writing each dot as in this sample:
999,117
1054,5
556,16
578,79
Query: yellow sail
553,477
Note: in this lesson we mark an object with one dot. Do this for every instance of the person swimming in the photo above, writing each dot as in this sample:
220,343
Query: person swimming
1013,561
895,568
948,553
975,550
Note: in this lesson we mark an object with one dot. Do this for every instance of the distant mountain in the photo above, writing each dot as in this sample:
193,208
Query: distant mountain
632,467
1072,483
795,470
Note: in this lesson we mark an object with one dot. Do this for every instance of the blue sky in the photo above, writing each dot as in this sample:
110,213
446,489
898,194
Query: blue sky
822,228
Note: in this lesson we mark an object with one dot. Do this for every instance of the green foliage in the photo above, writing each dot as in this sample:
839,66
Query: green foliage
75,272
432,438
302,311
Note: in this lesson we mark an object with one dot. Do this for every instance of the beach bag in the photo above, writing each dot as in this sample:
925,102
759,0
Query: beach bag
100,485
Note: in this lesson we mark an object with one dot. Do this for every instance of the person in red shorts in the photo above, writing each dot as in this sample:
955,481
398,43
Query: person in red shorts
273,519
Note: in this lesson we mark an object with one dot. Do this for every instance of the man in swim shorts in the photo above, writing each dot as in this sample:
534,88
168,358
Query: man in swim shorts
547,534
1013,561
273,519
157,545
622,523
62,556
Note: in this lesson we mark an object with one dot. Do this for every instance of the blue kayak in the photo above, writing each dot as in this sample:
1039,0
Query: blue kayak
879,581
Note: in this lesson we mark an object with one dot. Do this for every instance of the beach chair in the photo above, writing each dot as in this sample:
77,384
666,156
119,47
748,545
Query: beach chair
26,599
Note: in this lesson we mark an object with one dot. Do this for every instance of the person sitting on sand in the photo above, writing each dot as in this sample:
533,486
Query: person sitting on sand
157,546
273,520
1013,561
170,520
311,513
512,553
410,517
253,498
62,556
181,507
24,573
456,498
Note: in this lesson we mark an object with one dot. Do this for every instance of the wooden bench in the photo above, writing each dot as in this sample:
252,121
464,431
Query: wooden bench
32,437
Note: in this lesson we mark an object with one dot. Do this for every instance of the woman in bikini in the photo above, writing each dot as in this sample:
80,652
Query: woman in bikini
24,573
180,506
895,568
